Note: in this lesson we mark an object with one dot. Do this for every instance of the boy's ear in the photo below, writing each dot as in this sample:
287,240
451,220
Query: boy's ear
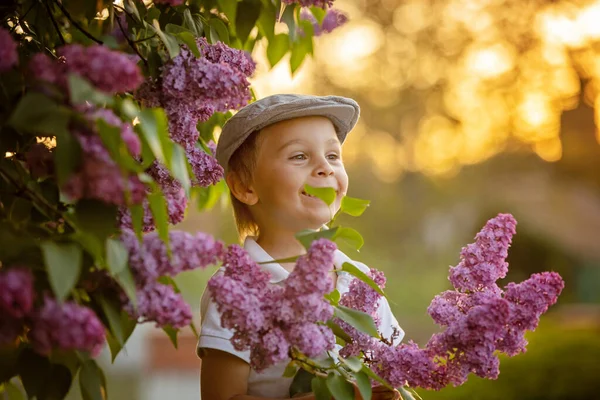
240,191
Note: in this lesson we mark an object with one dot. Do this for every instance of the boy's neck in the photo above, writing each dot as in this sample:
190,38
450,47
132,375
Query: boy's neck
281,245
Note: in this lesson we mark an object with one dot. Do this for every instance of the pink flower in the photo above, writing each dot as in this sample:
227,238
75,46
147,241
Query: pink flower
159,303
16,292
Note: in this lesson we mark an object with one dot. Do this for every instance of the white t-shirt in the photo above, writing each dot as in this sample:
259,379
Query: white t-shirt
270,382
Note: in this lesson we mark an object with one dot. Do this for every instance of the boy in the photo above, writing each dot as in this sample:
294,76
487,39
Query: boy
270,149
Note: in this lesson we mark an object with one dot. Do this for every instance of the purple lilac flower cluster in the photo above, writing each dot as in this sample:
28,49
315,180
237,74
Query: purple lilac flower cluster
270,319
67,326
16,302
479,318
149,260
333,19
9,57
174,196
99,176
108,70
311,3
191,89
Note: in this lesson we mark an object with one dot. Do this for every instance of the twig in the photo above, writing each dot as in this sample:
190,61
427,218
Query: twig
19,18
75,24
131,44
144,39
60,36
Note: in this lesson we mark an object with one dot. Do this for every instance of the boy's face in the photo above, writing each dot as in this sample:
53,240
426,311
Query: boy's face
291,154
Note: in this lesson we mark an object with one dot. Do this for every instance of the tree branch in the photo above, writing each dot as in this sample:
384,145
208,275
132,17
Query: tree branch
75,24
60,36
131,44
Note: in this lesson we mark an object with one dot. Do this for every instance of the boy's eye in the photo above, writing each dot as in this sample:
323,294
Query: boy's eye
333,156
298,157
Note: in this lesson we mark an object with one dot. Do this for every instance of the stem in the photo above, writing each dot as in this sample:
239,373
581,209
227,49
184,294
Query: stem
75,24
144,39
19,18
131,44
60,36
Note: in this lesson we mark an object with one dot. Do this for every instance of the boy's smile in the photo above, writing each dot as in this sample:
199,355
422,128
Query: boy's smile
290,155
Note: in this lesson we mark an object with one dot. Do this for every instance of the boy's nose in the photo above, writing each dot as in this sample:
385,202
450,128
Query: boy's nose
324,170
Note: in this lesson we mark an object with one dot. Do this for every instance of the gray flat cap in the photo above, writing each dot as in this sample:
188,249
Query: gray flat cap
343,113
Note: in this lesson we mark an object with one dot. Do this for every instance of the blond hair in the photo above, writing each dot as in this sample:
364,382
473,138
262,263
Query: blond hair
243,163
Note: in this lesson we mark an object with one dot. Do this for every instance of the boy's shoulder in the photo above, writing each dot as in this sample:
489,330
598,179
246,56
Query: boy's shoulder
340,258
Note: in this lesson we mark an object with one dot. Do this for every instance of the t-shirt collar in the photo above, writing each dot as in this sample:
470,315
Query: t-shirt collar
258,254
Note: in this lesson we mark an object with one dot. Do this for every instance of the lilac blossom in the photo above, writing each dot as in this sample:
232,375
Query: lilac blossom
16,292
9,57
270,319
66,326
311,3
160,304
207,170
333,19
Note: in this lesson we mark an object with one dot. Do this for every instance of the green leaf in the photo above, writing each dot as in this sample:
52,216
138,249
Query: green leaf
353,206
333,297
277,47
172,334
371,374
116,255
189,40
131,8
319,13
338,331
125,279
154,126
8,367
339,387
353,363
308,236
137,218
13,392
118,150
288,18
301,382
247,14
127,327
364,384
358,319
82,91
350,236
327,194
179,167
158,205
92,381
38,114
301,46
320,389
208,196
193,22
290,370
63,261
191,285
97,218
229,8
58,384
112,312
266,20
34,370
66,155
169,41
218,31
406,395
354,271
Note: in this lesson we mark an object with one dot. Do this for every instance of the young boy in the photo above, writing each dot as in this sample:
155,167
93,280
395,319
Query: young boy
270,149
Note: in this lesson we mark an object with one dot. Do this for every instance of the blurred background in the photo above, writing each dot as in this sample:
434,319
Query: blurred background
469,108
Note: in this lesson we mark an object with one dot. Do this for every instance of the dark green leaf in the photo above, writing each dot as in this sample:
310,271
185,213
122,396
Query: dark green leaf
353,206
127,327
338,331
290,370
158,205
91,244
67,156
246,17
364,384
82,91
320,389
308,236
112,311
354,271
58,384
193,22
353,363
113,141
288,18
34,371
137,218
266,20
153,123
406,395
327,194
277,47
172,334
189,40
371,374
350,236
96,217
91,381
63,262
125,279
301,382
179,167
169,41
8,367
358,319
20,210
339,387
116,255
218,31
38,114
